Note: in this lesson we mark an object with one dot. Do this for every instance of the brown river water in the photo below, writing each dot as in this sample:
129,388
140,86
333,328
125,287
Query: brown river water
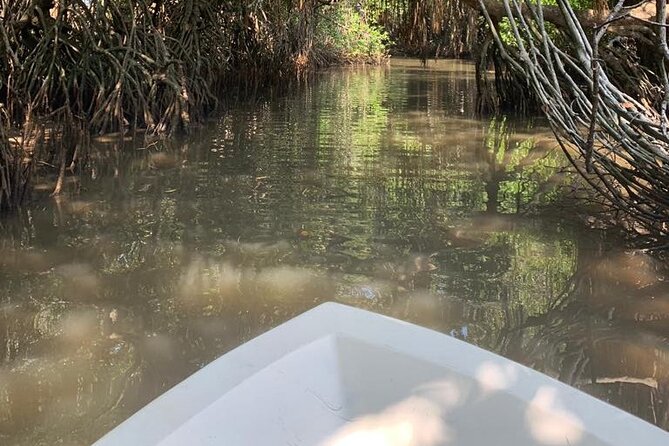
376,187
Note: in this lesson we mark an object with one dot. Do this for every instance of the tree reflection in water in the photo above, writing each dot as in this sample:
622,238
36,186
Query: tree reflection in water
375,187
607,334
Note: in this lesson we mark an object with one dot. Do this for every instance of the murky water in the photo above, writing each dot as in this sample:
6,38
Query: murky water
375,187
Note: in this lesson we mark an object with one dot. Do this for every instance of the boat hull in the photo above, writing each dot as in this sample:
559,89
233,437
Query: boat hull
337,376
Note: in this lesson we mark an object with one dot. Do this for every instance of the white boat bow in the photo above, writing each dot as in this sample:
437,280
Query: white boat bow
341,376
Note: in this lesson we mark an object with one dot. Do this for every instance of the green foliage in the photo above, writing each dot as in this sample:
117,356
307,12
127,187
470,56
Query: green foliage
343,35
577,5
506,33
440,28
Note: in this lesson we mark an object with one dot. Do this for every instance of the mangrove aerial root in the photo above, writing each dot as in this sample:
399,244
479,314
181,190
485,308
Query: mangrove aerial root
607,109
92,67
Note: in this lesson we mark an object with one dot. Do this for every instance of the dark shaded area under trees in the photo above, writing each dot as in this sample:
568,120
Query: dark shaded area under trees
73,68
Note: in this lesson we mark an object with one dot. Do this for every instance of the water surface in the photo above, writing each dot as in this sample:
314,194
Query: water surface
374,187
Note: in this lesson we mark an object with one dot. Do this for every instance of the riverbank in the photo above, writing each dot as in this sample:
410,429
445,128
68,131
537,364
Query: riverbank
81,69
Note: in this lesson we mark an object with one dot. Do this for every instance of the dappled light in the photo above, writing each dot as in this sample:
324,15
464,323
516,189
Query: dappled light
80,281
206,284
551,424
631,269
178,178
413,422
79,326
495,377
374,187
458,412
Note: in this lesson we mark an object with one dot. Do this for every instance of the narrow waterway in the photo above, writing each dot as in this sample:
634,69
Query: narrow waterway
377,187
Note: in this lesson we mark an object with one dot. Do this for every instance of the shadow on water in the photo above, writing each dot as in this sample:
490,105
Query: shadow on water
375,187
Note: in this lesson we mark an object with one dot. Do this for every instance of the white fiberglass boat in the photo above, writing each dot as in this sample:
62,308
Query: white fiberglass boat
341,376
